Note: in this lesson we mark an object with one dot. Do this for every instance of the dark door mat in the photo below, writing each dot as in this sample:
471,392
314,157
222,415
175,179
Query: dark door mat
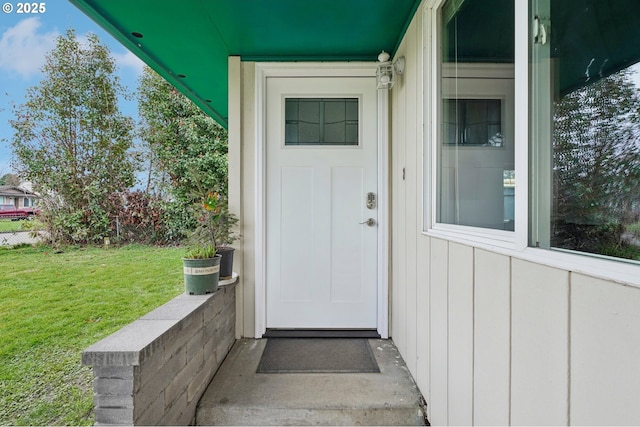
317,355
321,333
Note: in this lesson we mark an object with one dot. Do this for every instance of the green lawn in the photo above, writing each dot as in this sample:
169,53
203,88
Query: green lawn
55,304
6,225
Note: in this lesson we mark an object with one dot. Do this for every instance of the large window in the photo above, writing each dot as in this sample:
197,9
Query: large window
585,97
475,148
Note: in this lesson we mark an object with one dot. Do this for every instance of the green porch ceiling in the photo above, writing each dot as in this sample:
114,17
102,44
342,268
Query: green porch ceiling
188,42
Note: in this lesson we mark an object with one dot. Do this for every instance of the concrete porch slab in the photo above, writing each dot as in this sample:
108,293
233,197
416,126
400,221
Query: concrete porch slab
237,395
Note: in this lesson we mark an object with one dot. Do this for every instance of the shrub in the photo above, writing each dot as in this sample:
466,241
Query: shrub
140,218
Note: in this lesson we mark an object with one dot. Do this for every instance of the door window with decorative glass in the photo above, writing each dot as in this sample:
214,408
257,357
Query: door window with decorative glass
321,121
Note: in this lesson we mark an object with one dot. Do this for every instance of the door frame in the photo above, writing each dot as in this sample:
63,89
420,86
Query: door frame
319,69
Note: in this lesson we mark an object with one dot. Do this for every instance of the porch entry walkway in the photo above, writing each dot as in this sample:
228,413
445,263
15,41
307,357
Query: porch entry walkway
238,395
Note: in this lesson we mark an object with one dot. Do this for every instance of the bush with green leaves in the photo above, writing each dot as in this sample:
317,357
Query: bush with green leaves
215,224
72,142
140,218
188,149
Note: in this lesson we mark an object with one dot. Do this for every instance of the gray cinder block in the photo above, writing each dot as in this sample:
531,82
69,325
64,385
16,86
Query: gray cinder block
154,370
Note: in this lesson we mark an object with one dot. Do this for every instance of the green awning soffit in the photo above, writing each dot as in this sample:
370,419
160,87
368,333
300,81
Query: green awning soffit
188,42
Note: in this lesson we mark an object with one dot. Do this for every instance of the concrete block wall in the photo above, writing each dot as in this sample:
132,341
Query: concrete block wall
154,370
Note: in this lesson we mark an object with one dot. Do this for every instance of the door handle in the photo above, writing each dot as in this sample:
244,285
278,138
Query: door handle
370,222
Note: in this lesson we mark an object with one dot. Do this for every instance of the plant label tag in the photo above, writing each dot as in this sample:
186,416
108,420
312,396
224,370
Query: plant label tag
201,271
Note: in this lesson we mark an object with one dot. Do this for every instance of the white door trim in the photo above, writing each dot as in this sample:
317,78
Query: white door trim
318,69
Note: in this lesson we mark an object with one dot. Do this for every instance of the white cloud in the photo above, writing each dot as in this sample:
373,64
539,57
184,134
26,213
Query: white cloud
129,60
23,49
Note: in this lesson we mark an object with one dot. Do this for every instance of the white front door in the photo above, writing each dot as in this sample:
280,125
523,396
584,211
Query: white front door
321,151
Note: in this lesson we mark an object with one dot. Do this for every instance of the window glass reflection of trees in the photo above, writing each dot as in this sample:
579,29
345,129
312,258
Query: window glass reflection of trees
596,172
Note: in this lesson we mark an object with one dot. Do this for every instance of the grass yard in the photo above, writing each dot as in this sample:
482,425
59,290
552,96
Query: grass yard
7,226
53,305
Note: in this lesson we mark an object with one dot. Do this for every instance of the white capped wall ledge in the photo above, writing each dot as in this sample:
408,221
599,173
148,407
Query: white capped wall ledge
231,281
154,370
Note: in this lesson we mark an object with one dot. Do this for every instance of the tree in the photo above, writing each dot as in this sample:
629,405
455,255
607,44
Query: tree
9,179
72,142
188,149
596,163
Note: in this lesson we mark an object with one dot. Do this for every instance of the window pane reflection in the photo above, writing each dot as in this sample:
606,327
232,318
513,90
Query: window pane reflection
476,172
586,88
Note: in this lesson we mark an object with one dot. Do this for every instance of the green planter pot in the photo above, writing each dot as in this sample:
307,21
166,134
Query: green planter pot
201,275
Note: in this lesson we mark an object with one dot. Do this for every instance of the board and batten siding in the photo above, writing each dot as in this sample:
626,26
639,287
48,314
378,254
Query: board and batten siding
493,338
242,187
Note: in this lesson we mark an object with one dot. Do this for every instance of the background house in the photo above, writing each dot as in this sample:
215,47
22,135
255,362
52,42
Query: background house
18,196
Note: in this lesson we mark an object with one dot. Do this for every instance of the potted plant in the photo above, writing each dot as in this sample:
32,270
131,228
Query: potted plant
210,240
219,223
201,267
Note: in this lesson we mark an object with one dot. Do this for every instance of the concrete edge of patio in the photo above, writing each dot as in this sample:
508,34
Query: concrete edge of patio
238,395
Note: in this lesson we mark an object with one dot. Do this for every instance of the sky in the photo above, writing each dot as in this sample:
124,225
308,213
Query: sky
26,38
24,41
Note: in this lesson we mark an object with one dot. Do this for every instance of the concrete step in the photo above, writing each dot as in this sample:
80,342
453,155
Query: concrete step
238,395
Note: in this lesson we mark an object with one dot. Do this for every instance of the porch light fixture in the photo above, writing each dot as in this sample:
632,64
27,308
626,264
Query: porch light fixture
387,71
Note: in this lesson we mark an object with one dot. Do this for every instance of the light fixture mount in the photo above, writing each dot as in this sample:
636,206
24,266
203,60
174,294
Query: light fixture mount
387,70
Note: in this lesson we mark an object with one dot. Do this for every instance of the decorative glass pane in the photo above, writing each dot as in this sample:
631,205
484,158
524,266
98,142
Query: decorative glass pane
321,121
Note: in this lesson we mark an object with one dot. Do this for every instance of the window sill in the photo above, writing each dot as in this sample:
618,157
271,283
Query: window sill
620,271
473,236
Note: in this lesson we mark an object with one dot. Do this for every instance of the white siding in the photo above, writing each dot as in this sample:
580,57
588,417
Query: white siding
398,252
235,172
460,313
605,350
539,344
405,181
242,154
423,350
438,335
492,338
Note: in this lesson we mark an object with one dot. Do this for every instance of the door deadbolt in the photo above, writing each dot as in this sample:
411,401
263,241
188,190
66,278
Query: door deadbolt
370,222
371,200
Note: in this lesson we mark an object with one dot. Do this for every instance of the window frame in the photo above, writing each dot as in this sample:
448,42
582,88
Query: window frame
541,167
528,163
514,240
